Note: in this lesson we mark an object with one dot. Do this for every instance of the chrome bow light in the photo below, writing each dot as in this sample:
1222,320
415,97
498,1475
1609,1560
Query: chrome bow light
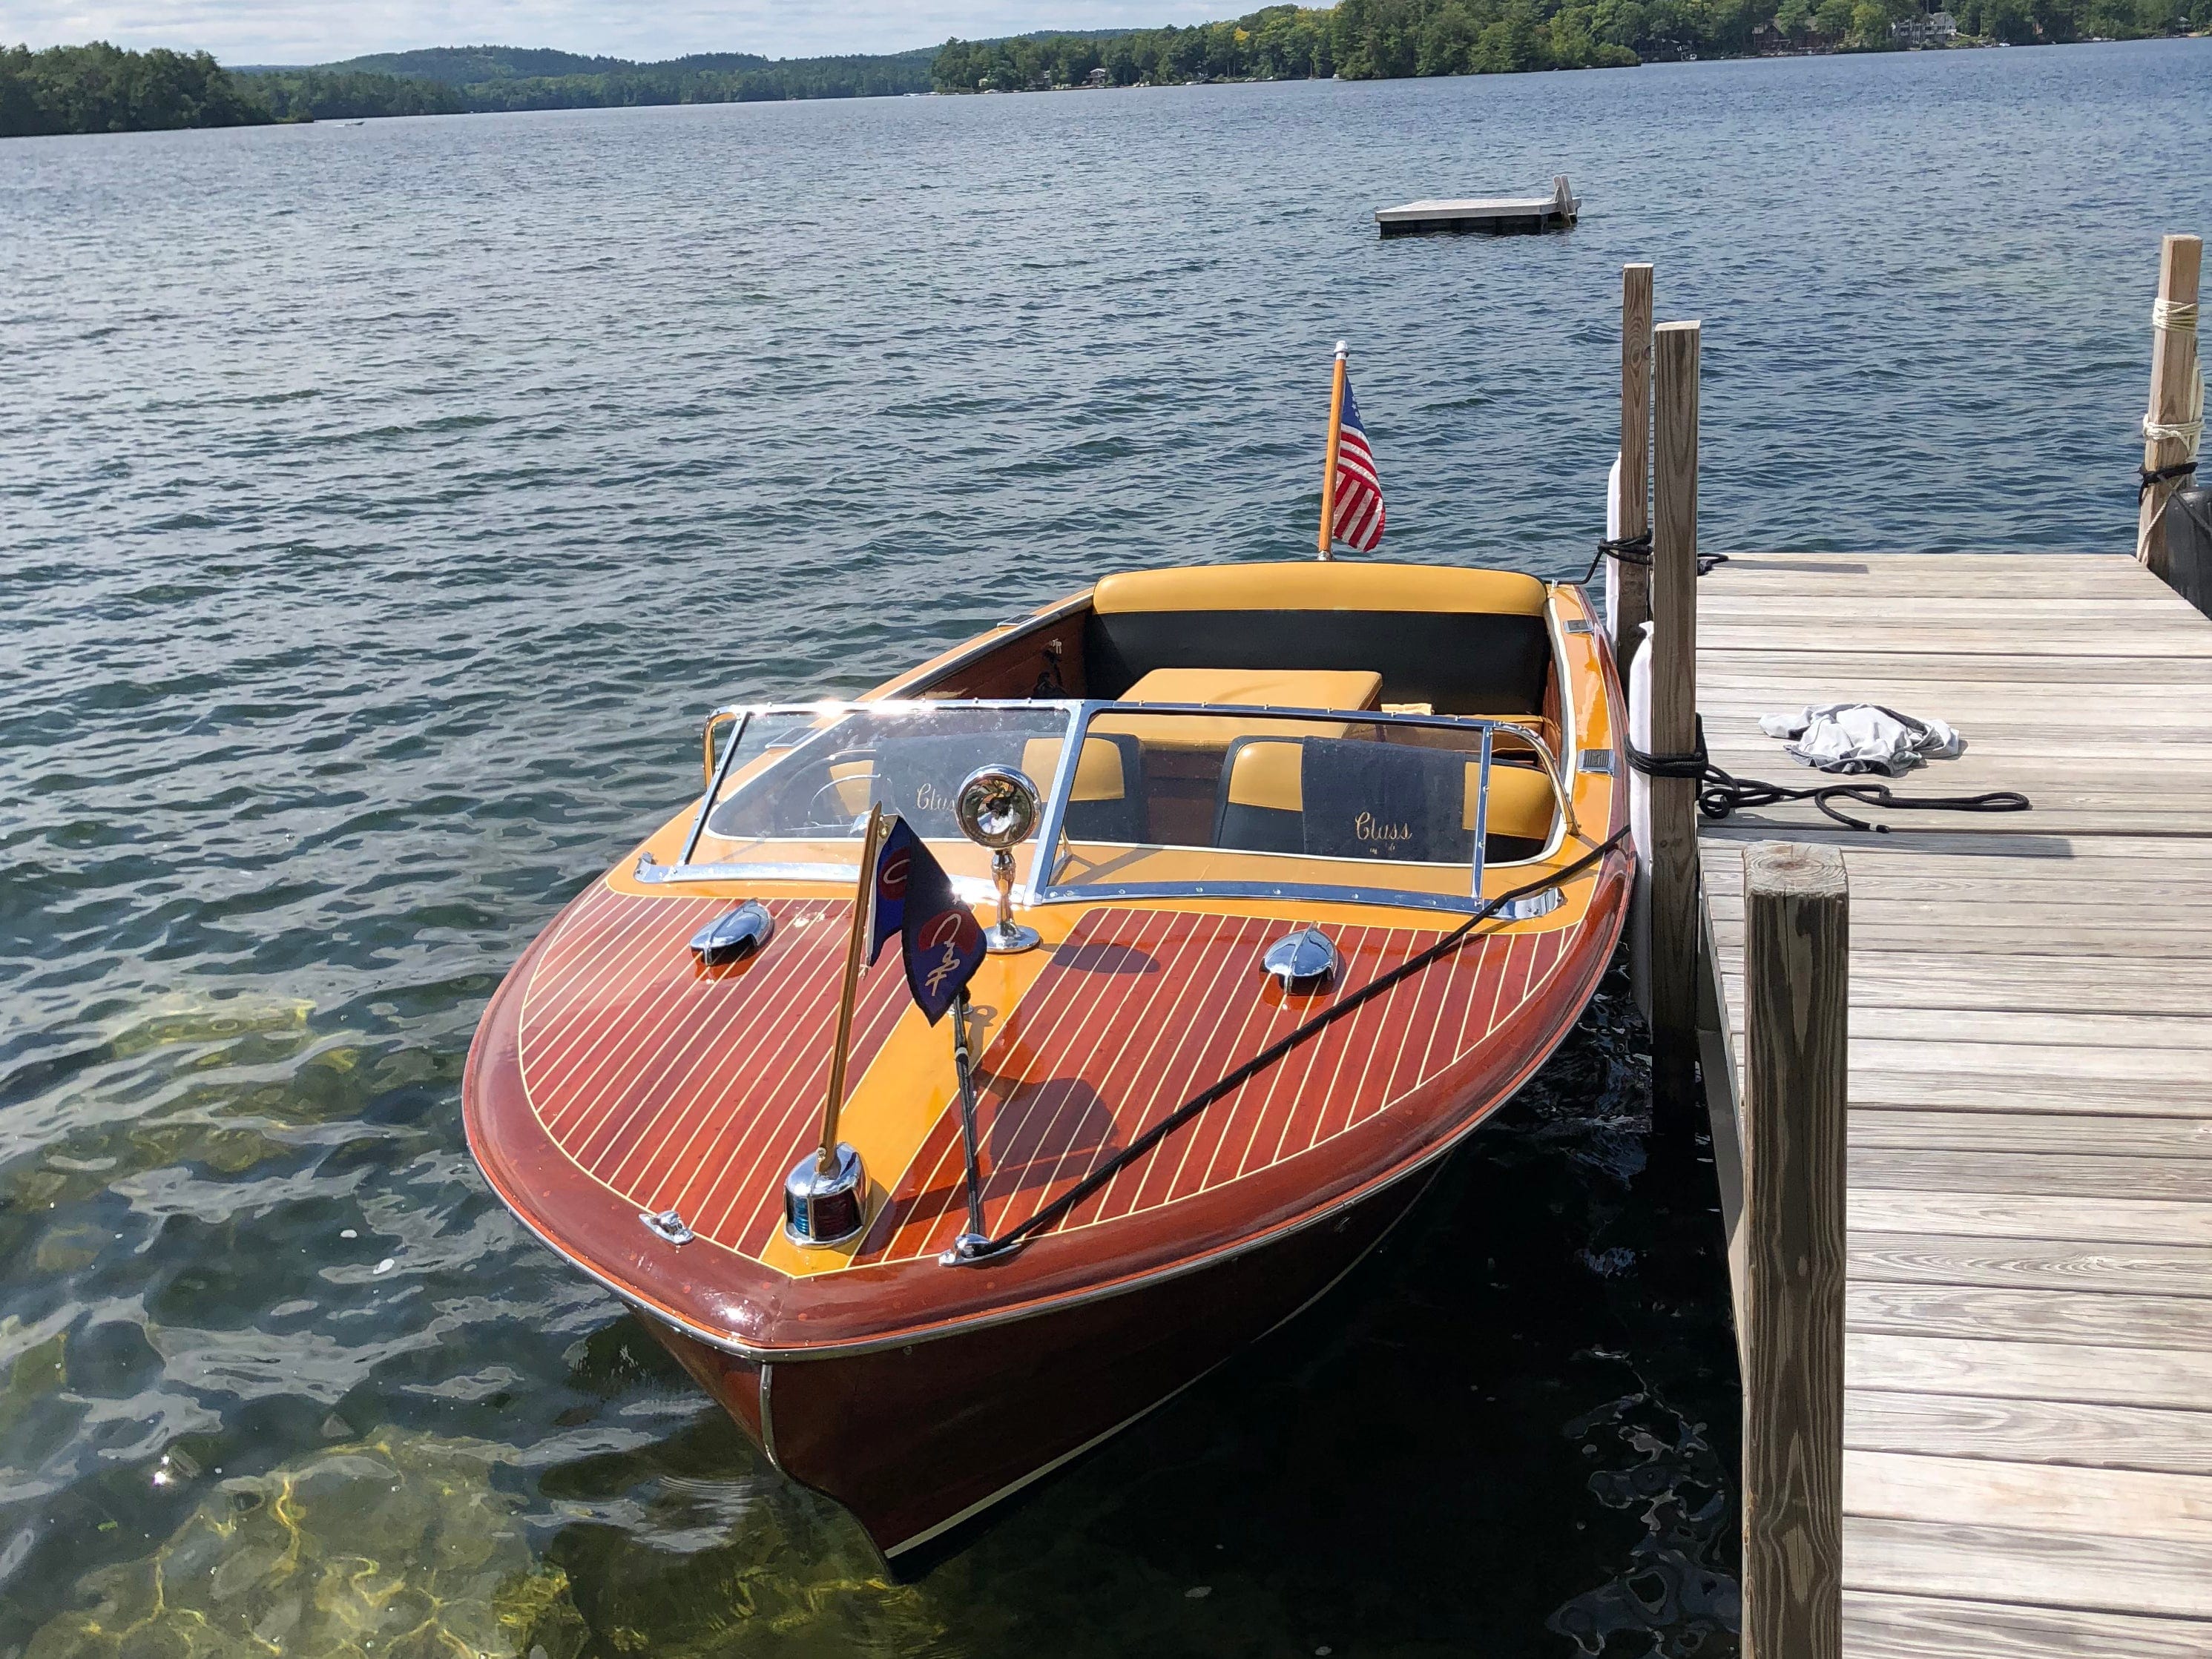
997,808
823,1205
1303,962
735,935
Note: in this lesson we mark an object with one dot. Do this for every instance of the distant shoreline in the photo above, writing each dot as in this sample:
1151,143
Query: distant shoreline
97,87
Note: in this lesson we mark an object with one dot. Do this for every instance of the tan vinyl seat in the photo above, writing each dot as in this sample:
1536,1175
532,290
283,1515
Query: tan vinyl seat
1282,688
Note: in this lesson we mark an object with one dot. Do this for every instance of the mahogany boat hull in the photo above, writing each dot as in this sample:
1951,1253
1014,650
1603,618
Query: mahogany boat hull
1007,1404
1175,1148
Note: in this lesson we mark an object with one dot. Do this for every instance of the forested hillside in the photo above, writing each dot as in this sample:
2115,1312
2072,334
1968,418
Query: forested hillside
1371,40
513,77
100,88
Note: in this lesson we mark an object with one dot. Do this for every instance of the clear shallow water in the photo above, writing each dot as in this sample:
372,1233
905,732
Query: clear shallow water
379,507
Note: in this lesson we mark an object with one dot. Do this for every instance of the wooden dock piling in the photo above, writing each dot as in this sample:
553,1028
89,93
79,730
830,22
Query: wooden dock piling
1632,590
2173,381
1796,999
2172,378
1675,931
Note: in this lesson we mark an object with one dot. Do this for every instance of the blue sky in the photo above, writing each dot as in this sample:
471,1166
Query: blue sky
318,31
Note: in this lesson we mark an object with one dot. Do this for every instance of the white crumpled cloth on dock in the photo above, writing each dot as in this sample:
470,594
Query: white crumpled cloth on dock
1862,737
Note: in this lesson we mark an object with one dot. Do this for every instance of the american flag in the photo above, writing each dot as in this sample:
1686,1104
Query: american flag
1358,518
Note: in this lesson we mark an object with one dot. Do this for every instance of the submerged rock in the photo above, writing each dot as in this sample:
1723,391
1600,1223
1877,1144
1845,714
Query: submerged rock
400,1547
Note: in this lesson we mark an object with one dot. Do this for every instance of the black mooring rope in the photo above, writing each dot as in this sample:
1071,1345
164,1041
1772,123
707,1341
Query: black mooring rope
1720,794
1260,1062
2154,477
1637,550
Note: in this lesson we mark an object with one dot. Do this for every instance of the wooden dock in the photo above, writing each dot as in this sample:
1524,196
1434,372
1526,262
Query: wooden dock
1497,215
2027,1297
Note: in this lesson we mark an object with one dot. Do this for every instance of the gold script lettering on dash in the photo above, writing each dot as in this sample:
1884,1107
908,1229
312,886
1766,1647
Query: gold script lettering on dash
927,799
1368,829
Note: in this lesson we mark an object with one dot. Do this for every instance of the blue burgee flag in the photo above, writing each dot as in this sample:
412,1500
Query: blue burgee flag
939,939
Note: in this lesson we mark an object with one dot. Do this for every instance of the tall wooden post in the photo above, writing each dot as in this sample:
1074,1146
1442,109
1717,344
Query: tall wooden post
1634,584
1674,930
2173,388
1796,951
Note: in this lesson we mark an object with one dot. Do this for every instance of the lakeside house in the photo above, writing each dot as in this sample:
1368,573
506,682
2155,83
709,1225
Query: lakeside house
1933,28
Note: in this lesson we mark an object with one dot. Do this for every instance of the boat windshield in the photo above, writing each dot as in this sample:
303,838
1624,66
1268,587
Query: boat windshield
1157,799
790,796
1363,804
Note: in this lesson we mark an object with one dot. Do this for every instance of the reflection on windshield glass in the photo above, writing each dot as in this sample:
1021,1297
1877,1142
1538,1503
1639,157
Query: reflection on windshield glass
1321,789
814,776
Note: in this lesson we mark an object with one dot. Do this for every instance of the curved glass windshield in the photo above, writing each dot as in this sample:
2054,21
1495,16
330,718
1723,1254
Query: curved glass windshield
1158,799
811,775
1223,800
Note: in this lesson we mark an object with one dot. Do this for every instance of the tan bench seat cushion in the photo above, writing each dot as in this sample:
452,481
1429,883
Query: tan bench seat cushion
1277,688
1283,688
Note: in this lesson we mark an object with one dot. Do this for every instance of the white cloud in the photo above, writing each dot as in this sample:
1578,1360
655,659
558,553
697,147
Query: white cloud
306,31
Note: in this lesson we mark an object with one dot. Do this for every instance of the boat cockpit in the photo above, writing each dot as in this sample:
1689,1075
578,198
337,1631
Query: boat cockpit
1363,732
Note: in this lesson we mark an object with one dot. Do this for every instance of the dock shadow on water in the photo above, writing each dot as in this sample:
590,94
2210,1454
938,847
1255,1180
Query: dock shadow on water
1507,1434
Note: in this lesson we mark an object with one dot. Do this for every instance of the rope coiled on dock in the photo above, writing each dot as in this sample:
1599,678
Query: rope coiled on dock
1721,794
1052,1212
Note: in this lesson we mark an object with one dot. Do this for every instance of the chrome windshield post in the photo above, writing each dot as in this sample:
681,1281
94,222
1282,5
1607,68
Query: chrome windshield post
714,786
1482,811
1044,862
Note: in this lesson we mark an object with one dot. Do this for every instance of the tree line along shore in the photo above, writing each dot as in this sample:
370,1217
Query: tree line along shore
103,88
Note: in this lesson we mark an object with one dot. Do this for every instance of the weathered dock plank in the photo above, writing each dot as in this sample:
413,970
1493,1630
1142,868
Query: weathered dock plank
1932,1626
2030,1432
2028,1299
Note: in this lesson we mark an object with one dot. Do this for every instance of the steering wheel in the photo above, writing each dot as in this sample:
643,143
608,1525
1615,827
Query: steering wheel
825,807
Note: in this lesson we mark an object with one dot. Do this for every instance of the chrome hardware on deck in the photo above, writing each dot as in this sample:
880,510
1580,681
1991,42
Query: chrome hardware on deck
1303,962
973,1240
825,1206
1596,760
1530,905
667,1225
735,935
997,807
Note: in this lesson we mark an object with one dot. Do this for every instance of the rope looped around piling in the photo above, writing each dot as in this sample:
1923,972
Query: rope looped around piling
2175,317
1637,550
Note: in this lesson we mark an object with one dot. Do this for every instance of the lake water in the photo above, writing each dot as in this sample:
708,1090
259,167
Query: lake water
380,506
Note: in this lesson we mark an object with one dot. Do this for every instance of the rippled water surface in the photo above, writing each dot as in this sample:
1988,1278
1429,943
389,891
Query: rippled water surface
381,505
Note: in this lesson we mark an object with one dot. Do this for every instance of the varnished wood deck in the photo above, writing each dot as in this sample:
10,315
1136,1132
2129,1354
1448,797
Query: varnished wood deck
2029,1418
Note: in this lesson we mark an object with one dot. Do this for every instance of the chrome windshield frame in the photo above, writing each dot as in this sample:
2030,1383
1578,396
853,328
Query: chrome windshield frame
1043,863
650,870
1077,716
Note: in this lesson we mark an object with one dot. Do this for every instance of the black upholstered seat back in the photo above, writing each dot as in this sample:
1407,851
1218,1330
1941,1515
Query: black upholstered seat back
1354,800
1458,662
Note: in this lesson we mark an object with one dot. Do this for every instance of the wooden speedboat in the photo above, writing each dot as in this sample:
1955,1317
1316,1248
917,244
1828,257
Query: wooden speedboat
1348,838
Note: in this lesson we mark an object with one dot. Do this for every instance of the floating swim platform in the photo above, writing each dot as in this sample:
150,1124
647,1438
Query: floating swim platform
1497,215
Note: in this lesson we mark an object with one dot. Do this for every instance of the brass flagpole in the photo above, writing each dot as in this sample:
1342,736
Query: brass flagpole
863,896
1328,467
